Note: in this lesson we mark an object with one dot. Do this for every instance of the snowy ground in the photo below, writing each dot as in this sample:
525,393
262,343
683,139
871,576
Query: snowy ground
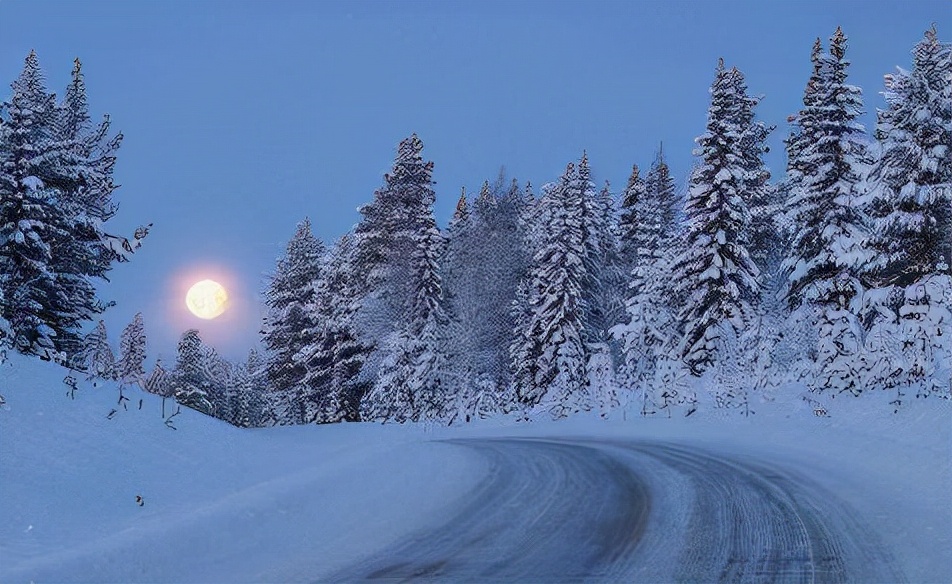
310,503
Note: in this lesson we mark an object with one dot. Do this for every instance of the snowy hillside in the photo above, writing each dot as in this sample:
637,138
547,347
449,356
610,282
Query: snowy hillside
301,503
220,503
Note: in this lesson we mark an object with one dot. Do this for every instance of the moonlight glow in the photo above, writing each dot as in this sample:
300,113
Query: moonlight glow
206,299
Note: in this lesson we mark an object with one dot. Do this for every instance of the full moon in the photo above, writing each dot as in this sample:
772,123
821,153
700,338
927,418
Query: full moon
206,299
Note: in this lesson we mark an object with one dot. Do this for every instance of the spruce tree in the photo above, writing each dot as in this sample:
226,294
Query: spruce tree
189,384
130,367
827,154
645,234
828,157
411,383
55,197
630,223
40,315
715,279
97,358
912,204
334,360
549,355
290,324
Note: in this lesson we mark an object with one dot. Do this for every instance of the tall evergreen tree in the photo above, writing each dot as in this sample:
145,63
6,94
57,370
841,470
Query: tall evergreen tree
41,317
716,280
646,230
549,352
411,383
632,218
913,218
55,196
828,157
334,359
386,240
827,154
97,358
290,325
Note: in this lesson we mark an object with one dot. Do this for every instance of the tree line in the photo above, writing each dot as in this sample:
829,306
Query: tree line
834,279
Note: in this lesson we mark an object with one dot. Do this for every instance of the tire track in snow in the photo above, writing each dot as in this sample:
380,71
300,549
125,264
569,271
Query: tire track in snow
515,525
579,510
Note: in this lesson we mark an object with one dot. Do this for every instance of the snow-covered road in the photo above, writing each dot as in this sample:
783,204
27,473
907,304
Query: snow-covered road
578,510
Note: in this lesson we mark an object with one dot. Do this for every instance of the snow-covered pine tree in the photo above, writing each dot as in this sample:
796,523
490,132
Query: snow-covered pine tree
549,354
647,227
762,236
97,358
290,324
130,367
598,236
715,279
40,315
631,220
827,158
661,192
334,360
246,392
614,275
188,383
912,203
55,188
158,381
386,240
461,281
216,375
412,381
86,157
497,265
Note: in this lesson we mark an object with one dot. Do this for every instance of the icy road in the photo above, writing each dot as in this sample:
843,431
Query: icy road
576,510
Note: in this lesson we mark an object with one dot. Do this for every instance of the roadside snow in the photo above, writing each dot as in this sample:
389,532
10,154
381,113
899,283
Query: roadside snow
217,499
293,504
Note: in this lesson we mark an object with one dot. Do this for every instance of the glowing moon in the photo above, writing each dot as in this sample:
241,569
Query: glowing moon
206,299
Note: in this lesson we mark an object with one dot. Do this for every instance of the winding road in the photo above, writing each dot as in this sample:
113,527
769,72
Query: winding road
587,511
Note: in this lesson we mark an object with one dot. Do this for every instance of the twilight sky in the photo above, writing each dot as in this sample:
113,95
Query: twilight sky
241,118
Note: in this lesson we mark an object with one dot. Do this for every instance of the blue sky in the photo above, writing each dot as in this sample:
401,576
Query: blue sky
241,118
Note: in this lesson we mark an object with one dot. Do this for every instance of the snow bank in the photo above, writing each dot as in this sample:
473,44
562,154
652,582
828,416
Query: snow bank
298,503
217,499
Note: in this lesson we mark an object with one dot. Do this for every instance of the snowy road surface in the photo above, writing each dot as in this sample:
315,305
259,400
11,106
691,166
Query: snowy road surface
563,511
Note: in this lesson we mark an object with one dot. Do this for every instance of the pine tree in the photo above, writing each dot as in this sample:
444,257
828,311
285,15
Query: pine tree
633,218
827,157
386,240
158,381
461,278
290,325
130,367
599,248
484,264
661,193
826,154
716,281
412,380
84,183
55,189
189,384
40,316
912,206
333,362
246,392
97,358
549,352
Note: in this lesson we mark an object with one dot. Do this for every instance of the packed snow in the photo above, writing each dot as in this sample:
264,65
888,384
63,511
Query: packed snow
300,503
